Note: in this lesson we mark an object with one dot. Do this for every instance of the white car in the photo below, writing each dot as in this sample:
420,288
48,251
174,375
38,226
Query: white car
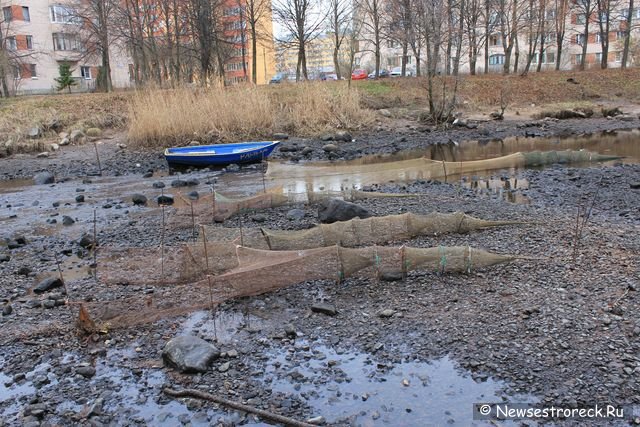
397,72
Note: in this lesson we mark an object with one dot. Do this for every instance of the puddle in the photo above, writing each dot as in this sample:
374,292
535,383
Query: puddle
497,177
13,392
351,388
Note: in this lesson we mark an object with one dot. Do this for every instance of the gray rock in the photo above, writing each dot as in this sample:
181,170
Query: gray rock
49,304
48,284
306,151
5,258
64,141
280,136
86,241
385,113
165,200
176,183
80,198
194,143
259,218
391,276
224,367
330,148
86,371
7,310
158,184
43,178
42,155
387,313
333,210
290,330
295,214
634,185
317,421
326,137
94,132
193,195
76,135
232,168
139,199
189,354
67,220
34,132
324,308
343,136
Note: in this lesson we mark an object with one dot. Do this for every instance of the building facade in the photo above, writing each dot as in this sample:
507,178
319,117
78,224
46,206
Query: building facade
38,36
319,53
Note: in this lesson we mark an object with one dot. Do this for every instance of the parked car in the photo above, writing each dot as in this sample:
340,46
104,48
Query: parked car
278,78
359,75
329,76
383,74
397,72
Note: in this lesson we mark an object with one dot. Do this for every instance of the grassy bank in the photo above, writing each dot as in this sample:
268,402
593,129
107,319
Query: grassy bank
168,117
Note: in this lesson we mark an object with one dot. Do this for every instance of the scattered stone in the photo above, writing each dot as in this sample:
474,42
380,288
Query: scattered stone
24,271
391,276
343,136
64,141
232,353
317,421
158,184
232,168
189,354
43,178
54,147
34,132
259,218
49,304
324,308
86,241
290,330
194,143
333,210
306,151
48,284
295,214
192,182
139,199
635,185
224,367
330,148
176,183
386,313
326,137
80,198
42,155
148,174
5,258
279,136
76,135
94,132
193,195
86,371
165,200
67,220
385,113
7,310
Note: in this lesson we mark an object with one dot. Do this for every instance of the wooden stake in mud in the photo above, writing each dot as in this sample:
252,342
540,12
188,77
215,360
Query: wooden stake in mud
213,204
64,284
444,168
95,145
264,171
95,245
241,233
193,222
206,258
162,245
403,261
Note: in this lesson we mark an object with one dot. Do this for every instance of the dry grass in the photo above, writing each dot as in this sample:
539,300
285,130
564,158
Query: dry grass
56,113
174,117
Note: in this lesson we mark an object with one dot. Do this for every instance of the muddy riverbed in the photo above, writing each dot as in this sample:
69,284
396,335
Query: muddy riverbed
560,327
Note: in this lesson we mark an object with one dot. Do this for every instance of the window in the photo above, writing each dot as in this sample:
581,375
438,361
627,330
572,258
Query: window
236,25
232,11
620,35
599,57
25,14
29,40
550,14
85,72
581,19
623,14
580,39
16,72
391,44
32,68
579,58
547,58
599,37
63,15
236,66
604,17
495,40
618,56
6,12
65,41
11,43
496,59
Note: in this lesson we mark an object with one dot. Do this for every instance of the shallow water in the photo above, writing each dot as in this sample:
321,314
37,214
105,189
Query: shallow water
358,389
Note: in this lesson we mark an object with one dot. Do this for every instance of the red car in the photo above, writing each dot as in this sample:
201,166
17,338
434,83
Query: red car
359,75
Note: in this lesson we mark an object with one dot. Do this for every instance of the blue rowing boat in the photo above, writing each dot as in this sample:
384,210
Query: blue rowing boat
220,154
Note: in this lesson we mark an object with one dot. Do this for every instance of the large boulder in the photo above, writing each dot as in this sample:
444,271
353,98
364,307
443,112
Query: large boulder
333,210
48,284
43,178
189,354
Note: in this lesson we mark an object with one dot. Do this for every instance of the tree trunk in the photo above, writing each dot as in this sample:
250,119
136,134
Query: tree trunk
583,60
627,36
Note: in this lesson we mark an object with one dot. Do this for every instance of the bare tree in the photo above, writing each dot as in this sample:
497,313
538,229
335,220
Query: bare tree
256,11
472,16
302,21
533,27
398,26
372,26
15,58
604,9
627,35
560,10
584,10
510,14
353,44
341,16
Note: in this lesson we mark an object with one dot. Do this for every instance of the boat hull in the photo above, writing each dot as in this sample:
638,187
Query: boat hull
220,154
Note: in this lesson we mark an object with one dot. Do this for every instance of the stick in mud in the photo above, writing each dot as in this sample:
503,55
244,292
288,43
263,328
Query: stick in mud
95,245
264,171
211,307
162,245
95,145
193,223
280,419
64,284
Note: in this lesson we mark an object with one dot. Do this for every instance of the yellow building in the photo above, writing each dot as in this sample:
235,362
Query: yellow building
319,56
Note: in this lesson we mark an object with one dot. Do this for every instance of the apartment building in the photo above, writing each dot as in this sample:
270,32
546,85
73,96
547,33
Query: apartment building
572,46
319,56
239,63
38,36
